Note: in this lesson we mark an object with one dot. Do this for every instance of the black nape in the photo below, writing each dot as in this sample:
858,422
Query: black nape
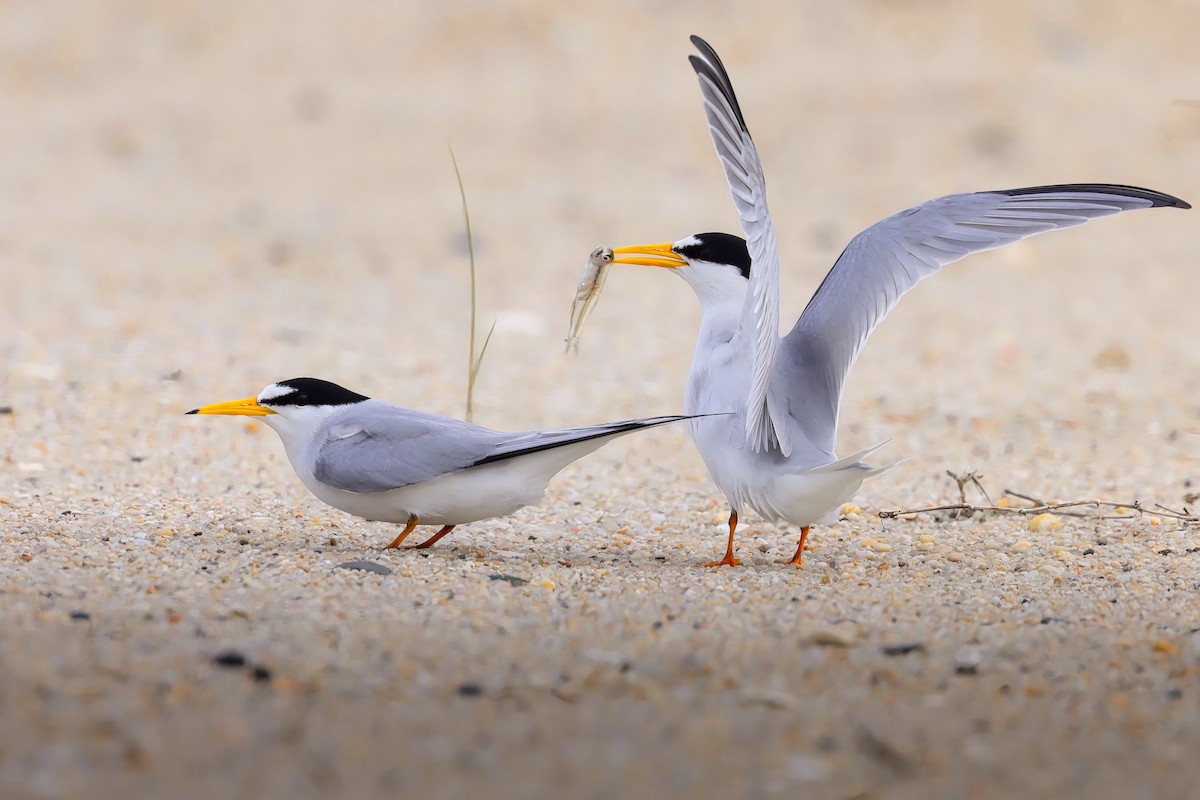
719,248
314,392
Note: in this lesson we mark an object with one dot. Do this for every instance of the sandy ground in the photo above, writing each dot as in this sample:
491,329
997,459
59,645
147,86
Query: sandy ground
201,198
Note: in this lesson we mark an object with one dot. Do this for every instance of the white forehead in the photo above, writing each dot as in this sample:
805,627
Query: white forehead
274,392
687,241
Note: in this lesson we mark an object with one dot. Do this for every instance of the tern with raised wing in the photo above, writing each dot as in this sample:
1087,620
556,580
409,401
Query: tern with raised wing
775,453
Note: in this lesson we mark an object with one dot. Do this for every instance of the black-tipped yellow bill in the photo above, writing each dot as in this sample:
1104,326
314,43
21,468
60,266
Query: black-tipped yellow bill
247,407
649,255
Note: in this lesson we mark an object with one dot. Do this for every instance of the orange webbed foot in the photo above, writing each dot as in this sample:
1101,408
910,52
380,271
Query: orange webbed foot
729,560
798,559
425,545
412,523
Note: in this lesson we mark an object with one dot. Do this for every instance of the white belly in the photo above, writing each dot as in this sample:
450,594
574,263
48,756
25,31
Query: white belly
455,499
469,495
782,490
776,488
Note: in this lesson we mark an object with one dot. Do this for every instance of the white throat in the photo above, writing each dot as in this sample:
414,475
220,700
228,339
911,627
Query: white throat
297,425
721,290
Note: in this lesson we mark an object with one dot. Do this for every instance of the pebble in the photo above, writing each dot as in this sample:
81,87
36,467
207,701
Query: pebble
781,701
1045,523
365,566
229,659
967,661
841,635
509,579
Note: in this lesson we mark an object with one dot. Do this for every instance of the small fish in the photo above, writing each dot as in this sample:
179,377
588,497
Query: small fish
591,281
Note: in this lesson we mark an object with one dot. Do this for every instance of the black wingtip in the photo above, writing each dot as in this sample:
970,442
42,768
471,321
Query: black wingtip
1157,199
711,67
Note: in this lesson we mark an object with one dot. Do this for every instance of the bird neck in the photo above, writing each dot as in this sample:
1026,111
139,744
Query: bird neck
298,428
722,294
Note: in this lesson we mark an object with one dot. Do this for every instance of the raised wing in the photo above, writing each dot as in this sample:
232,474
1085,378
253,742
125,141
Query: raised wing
743,170
886,260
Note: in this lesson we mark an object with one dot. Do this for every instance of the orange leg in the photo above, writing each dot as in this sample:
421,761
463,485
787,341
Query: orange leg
728,560
796,559
432,539
412,523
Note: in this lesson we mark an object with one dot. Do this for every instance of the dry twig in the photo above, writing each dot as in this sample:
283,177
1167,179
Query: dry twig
474,362
1136,507
963,509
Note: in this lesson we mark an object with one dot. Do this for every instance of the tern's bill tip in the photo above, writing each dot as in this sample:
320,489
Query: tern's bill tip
193,411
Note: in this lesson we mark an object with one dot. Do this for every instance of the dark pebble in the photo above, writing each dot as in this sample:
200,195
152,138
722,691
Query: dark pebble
966,669
470,690
1175,694
261,674
80,616
1089,551
365,566
510,579
229,658
1166,552
6,409
903,649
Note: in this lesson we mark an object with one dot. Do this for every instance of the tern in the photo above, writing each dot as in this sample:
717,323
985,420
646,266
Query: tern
385,463
775,453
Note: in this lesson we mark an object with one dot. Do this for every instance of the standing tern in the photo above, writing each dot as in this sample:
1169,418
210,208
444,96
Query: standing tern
775,452
391,464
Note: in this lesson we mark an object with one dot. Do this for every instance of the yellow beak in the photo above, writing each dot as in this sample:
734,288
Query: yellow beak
649,255
248,407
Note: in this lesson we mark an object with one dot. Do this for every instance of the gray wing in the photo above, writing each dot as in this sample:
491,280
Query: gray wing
886,260
378,446
744,172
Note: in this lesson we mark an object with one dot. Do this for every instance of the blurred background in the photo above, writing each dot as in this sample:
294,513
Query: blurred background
234,194
200,198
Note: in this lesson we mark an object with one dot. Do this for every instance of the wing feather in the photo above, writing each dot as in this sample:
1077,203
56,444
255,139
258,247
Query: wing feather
888,259
378,447
744,173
